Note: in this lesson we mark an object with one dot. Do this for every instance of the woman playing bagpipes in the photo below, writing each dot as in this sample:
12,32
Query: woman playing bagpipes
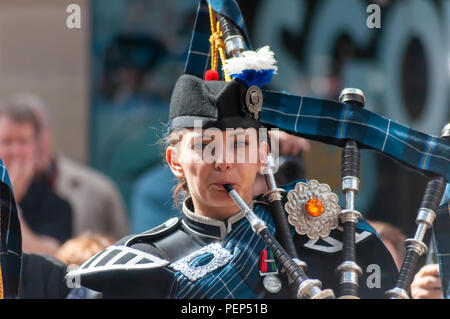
226,243
291,242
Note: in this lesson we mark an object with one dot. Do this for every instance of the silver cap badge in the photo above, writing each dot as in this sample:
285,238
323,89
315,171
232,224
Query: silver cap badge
254,100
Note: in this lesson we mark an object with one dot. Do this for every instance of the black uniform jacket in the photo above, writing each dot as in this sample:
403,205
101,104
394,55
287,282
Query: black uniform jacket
144,265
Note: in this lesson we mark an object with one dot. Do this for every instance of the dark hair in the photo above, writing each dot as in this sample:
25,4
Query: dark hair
19,110
181,190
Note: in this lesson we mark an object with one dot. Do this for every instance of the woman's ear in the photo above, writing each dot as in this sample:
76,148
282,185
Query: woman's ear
172,160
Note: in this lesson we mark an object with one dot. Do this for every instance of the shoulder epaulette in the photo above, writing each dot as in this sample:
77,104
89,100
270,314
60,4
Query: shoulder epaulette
123,257
154,233
124,272
117,258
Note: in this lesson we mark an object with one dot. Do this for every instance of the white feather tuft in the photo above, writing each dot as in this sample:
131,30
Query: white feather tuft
261,59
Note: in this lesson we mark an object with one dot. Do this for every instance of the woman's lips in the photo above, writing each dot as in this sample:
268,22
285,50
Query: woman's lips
220,185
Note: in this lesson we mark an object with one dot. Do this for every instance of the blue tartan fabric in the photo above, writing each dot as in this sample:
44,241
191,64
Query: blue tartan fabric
441,236
332,122
240,277
198,58
10,237
231,10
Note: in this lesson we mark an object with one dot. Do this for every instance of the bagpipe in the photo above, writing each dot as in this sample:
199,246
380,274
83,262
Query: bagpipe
220,32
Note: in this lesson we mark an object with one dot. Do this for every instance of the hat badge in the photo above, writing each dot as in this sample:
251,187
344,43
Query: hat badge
254,100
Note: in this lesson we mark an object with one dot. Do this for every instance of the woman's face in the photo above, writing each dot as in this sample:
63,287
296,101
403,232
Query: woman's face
208,159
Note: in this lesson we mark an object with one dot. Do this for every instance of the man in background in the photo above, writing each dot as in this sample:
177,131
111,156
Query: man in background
46,219
96,202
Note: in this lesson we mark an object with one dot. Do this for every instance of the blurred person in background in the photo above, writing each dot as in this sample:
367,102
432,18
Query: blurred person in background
96,202
393,239
46,218
43,275
151,200
427,282
77,250
290,162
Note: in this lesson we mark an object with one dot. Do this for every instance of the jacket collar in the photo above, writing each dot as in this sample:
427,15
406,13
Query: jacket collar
207,226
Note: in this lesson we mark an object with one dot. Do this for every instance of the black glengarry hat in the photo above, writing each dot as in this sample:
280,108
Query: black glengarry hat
224,104
217,104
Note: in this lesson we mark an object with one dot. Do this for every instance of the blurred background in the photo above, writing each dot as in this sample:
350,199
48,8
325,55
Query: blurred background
108,83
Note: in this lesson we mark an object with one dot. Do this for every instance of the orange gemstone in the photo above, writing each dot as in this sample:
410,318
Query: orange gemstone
314,207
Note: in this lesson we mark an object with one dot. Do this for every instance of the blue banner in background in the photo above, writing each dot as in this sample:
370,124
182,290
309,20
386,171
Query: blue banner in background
138,51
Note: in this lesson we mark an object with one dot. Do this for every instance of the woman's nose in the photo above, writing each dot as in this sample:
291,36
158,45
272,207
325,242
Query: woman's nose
224,158
222,166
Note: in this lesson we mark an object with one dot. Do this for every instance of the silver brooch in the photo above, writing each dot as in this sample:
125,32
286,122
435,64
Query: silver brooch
254,100
312,209
221,257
